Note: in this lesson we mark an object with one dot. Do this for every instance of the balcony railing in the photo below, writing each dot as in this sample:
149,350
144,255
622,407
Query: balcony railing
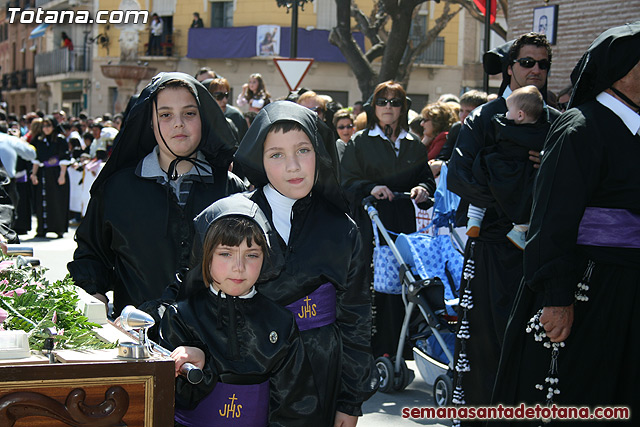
20,79
61,61
433,54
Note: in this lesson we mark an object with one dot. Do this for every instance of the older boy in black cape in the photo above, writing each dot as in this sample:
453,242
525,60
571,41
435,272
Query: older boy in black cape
581,293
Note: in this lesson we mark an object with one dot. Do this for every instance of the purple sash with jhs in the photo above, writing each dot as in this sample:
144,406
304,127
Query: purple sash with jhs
316,309
230,405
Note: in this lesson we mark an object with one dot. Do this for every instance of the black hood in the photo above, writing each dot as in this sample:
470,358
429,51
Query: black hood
136,139
237,204
249,153
609,58
240,205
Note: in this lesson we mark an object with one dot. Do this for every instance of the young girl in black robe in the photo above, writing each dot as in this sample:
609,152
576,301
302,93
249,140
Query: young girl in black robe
289,155
253,360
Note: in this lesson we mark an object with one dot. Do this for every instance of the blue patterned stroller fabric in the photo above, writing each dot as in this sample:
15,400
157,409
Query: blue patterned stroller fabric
386,274
433,256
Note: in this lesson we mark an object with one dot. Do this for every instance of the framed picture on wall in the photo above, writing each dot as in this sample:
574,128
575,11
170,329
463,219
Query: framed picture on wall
545,21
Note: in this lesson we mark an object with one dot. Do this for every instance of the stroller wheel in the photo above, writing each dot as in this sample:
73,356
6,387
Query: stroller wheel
443,391
385,370
404,378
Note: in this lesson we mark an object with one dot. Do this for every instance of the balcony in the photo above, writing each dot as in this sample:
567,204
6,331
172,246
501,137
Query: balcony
240,42
21,79
61,61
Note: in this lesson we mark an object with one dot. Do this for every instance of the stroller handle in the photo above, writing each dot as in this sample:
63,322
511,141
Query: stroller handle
371,200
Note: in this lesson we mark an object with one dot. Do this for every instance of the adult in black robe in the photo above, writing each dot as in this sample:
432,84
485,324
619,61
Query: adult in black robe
387,158
136,235
51,181
247,340
324,247
587,178
493,264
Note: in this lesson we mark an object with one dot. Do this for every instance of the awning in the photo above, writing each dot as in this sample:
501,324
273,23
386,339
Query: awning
38,31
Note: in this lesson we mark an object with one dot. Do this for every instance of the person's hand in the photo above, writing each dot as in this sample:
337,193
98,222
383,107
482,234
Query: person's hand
34,179
61,180
557,322
419,194
435,166
535,157
245,87
344,420
382,192
184,354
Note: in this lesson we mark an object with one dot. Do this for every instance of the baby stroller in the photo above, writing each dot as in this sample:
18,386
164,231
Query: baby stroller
426,270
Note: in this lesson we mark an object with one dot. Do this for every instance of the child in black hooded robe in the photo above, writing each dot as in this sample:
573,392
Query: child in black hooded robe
318,247
138,230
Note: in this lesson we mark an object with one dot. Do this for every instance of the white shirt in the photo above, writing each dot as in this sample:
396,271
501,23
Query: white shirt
251,293
281,207
377,131
630,118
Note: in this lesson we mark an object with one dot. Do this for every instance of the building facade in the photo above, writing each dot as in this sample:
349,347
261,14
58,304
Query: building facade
576,24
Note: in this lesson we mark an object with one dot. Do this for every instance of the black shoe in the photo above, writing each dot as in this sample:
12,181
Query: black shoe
42,235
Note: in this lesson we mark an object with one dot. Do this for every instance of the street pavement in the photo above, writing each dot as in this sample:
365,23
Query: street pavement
382,410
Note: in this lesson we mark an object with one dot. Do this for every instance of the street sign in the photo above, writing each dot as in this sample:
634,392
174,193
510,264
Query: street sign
293,70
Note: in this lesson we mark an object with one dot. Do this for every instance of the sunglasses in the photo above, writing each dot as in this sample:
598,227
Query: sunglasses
395,102
343,127
220,95
527,62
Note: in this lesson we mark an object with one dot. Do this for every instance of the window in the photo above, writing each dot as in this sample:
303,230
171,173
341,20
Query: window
434,53
221,14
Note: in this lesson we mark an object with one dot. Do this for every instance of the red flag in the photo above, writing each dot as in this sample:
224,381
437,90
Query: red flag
481,5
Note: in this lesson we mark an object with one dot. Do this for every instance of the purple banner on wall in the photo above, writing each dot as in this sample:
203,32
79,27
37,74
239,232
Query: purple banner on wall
240,42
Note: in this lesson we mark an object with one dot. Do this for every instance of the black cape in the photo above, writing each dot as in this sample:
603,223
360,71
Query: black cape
589,162
203,320
340,353
135,235
498,263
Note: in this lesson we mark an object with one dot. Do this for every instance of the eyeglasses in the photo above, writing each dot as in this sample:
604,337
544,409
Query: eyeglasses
527,62
343,127
395,102
220,95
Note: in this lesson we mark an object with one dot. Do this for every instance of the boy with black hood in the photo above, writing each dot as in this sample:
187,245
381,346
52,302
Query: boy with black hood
170,161
289,155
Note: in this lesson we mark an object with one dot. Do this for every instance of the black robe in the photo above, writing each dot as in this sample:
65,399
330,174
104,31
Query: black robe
369,161
51,200
505,166
203,321
498,263
135,235
324,247
590,161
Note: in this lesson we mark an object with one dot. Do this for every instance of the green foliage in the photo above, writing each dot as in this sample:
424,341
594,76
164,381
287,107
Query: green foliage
36,306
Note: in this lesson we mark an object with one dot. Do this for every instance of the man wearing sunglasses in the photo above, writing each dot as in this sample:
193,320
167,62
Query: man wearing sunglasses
498,263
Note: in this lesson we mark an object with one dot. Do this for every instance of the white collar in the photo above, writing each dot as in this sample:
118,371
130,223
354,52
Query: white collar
251,293
630,118
281,207
151,166
377,131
